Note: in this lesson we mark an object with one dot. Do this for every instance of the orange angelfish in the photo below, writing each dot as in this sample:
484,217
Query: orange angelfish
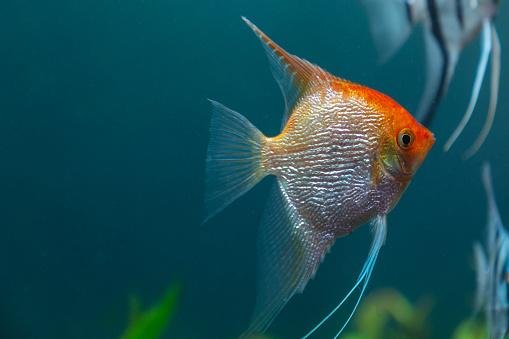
344,157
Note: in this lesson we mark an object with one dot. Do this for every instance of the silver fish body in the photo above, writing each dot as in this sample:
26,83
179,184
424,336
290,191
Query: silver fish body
326,165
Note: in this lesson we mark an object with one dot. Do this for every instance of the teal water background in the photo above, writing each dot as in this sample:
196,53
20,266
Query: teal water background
103,133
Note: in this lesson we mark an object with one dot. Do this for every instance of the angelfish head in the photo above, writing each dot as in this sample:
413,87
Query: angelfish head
406,144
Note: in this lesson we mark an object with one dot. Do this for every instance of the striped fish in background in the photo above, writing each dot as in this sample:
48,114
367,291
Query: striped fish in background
449,25
492,267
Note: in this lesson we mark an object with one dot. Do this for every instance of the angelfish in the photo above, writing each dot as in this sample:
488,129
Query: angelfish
492,267
448,26
343,158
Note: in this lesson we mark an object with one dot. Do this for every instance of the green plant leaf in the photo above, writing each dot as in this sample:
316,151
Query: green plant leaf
470,329
152,323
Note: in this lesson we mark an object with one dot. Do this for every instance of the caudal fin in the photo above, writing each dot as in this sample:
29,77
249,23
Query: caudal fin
390,22
233,158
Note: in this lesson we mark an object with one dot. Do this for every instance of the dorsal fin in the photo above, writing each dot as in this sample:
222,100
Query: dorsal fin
293,74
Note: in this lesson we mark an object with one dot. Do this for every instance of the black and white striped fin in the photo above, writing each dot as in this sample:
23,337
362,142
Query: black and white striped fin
441,61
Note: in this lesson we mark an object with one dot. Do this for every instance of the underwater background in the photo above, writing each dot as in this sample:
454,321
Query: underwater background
103,132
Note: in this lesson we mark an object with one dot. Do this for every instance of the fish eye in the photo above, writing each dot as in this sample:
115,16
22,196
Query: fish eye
405,138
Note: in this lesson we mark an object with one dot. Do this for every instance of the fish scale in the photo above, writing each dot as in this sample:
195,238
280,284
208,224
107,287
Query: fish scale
337,150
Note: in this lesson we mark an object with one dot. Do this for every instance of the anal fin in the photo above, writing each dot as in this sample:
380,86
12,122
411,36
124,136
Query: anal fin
290,252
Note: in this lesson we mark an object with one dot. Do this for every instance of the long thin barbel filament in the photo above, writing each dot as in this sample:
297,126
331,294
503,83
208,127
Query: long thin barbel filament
495,80
380,228
366,280
479,77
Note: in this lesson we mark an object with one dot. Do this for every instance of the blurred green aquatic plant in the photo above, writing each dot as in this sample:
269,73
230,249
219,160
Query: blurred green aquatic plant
151,323
387,314
470,329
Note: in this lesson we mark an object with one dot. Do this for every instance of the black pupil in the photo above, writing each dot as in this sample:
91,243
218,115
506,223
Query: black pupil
405,138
